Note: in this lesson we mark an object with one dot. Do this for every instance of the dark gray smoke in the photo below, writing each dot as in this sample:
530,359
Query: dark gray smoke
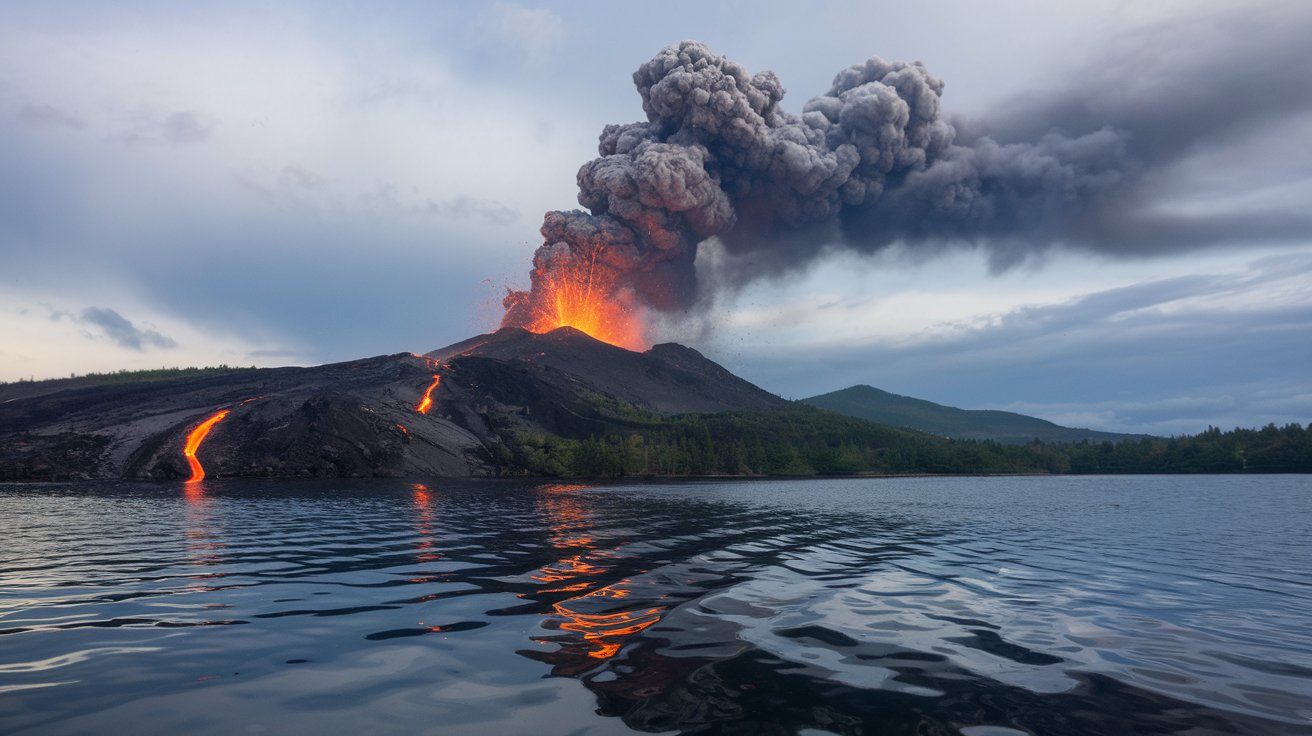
873,162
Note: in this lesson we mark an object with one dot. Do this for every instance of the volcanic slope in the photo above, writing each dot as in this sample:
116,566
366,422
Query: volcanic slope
341,420
667,379
362,418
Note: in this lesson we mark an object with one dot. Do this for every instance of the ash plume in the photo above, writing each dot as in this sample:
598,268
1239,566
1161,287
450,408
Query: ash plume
874,162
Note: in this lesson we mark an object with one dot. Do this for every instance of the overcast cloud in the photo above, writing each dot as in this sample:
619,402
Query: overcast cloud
299,183
121,331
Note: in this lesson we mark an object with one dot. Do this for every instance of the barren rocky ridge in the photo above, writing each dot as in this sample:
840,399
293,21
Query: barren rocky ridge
360,418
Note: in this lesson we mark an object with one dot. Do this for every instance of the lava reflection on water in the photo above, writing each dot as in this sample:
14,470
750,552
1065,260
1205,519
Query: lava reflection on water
426,548
599,615
604,633
204,534
567,520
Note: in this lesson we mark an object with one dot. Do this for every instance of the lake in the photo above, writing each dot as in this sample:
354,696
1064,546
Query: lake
976,606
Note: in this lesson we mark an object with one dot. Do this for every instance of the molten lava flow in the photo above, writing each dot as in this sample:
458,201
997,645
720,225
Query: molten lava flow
427,402
579,296
194,439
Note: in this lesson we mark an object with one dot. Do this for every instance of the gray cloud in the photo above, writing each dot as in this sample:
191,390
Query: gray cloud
531,31
179,128
1175,87
186,126
297,176
488,210
49,116
391,200
1168,356
119,329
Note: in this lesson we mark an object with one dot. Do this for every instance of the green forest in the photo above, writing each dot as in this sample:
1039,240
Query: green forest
803,441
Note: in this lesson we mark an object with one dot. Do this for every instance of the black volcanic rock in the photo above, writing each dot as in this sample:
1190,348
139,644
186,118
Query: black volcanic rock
346,419
569,384
667,379
360,418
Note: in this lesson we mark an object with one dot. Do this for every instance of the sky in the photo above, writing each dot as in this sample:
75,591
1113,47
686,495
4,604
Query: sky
299,183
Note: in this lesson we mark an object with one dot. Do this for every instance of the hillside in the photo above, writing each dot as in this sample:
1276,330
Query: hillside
556,404
366,417
344,419
669,378
872,404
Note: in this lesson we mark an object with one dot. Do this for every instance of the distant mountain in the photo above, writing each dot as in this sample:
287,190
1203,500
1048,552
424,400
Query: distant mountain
872,404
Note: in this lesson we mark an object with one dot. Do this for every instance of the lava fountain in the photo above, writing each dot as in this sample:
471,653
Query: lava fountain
572,289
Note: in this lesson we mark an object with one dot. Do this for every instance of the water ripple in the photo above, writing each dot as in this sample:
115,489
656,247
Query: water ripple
973,606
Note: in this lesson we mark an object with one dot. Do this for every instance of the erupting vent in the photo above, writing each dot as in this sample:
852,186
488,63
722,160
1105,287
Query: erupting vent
576,294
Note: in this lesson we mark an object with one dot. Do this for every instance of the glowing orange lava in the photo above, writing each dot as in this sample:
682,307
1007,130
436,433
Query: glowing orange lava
194,439
427,402
579,297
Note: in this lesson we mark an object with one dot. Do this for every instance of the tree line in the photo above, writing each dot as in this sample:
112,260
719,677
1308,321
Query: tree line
807,441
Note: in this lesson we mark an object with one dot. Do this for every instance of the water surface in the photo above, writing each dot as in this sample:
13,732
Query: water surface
985,607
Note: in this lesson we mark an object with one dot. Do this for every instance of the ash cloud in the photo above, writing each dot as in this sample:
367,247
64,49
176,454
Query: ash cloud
874,162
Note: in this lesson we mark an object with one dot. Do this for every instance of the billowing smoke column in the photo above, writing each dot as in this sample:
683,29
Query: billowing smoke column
869,163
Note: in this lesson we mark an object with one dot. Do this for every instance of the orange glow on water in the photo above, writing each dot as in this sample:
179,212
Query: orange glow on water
426,549
604,617
427,402
567,519
579,296
204,537
194,439
567,569
605,631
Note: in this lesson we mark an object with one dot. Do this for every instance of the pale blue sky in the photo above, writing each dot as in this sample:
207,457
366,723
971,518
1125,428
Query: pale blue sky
306,182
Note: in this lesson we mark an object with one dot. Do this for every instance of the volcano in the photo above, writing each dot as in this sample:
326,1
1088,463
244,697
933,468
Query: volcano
447,413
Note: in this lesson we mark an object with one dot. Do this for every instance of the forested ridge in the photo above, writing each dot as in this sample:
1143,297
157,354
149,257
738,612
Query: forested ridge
802,440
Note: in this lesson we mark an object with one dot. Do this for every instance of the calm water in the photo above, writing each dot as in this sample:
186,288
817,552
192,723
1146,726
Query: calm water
983,607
